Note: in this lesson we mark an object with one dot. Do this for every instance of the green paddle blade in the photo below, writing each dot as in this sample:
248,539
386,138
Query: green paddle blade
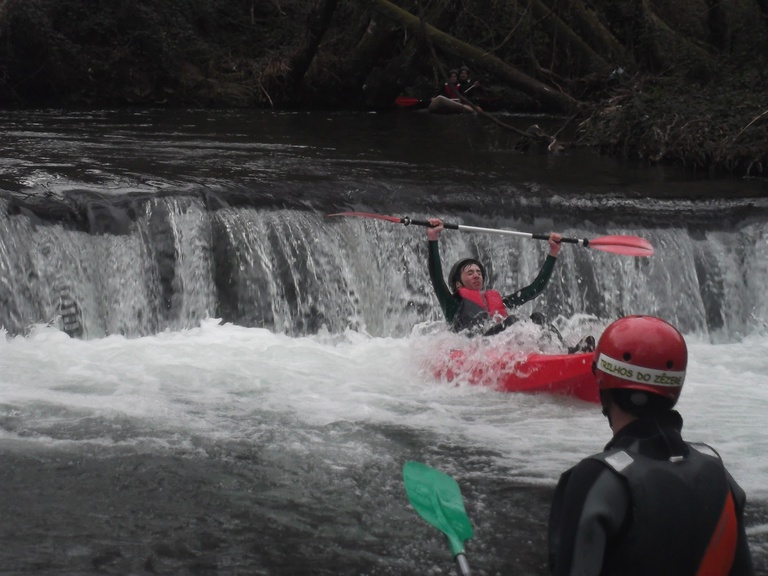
437,498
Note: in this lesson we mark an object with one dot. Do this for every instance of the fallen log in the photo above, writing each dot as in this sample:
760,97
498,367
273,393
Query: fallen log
548,97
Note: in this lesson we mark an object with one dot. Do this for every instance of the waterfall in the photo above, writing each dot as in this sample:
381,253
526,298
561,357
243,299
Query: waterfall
169,262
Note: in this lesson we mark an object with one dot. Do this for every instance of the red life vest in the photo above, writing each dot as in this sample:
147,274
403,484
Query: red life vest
451,90
490,301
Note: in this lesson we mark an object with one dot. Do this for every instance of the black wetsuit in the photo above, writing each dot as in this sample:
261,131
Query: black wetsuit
648,505
466,86
463,315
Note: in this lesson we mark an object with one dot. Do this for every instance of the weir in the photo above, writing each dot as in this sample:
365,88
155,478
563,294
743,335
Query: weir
166,263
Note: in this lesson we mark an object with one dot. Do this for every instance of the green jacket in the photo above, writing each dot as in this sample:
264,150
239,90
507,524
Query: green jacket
453,305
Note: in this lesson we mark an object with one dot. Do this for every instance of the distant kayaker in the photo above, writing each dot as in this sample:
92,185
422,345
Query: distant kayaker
650,503
451,87
467,307
466,85
449,101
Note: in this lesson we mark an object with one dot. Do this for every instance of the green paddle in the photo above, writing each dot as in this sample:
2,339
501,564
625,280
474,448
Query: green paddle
437,498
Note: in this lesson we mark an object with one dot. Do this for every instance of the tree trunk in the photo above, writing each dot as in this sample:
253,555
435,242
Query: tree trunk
317,24
548,97
763,5
588,26
376,45
658,48
741,19
571,46
385,80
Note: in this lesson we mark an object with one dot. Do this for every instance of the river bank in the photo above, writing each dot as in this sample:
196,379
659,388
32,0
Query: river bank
688,90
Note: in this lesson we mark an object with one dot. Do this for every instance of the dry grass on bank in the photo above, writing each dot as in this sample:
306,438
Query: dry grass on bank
721,128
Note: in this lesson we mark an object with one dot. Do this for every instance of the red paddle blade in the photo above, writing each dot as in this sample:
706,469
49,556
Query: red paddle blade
368,215
406,102
625,245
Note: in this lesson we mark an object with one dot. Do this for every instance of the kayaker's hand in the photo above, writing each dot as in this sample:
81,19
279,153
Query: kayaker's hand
436,226
554,243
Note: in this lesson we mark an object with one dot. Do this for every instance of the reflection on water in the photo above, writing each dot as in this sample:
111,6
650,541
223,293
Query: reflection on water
125,151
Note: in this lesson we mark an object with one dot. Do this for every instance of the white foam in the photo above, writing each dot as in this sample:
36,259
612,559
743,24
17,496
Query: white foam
228,383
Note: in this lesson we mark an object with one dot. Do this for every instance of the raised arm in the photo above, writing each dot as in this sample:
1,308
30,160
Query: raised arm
442,291
540,282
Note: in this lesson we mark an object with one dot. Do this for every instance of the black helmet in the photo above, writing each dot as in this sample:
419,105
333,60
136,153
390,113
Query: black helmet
455,274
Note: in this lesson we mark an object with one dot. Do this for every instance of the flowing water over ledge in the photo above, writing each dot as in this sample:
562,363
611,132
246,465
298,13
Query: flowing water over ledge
133,223
245,382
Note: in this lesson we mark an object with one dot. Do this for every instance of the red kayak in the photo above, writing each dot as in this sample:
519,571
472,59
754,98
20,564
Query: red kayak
567,374
410,103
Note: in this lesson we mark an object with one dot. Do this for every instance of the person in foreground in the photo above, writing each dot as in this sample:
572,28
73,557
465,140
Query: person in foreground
467,307
650,503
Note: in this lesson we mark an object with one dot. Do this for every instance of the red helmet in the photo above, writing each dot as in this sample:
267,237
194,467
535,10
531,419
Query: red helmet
642,353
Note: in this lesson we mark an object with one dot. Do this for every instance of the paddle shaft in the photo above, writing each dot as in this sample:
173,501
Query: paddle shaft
463,564
624,245
462,228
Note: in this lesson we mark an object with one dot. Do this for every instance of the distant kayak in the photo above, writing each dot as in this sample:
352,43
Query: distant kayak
411,103
510,371
444,105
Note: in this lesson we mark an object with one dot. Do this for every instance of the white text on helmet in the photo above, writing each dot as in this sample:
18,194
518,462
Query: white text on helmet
639,374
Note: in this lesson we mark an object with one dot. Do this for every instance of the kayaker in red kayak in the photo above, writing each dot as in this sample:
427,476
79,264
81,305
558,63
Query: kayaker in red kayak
449,101
465,83
650,503
451,88
466,306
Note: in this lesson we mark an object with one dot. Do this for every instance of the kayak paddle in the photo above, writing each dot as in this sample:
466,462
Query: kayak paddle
624,245
437,498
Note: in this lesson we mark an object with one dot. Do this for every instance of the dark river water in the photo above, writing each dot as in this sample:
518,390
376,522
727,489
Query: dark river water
202,374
